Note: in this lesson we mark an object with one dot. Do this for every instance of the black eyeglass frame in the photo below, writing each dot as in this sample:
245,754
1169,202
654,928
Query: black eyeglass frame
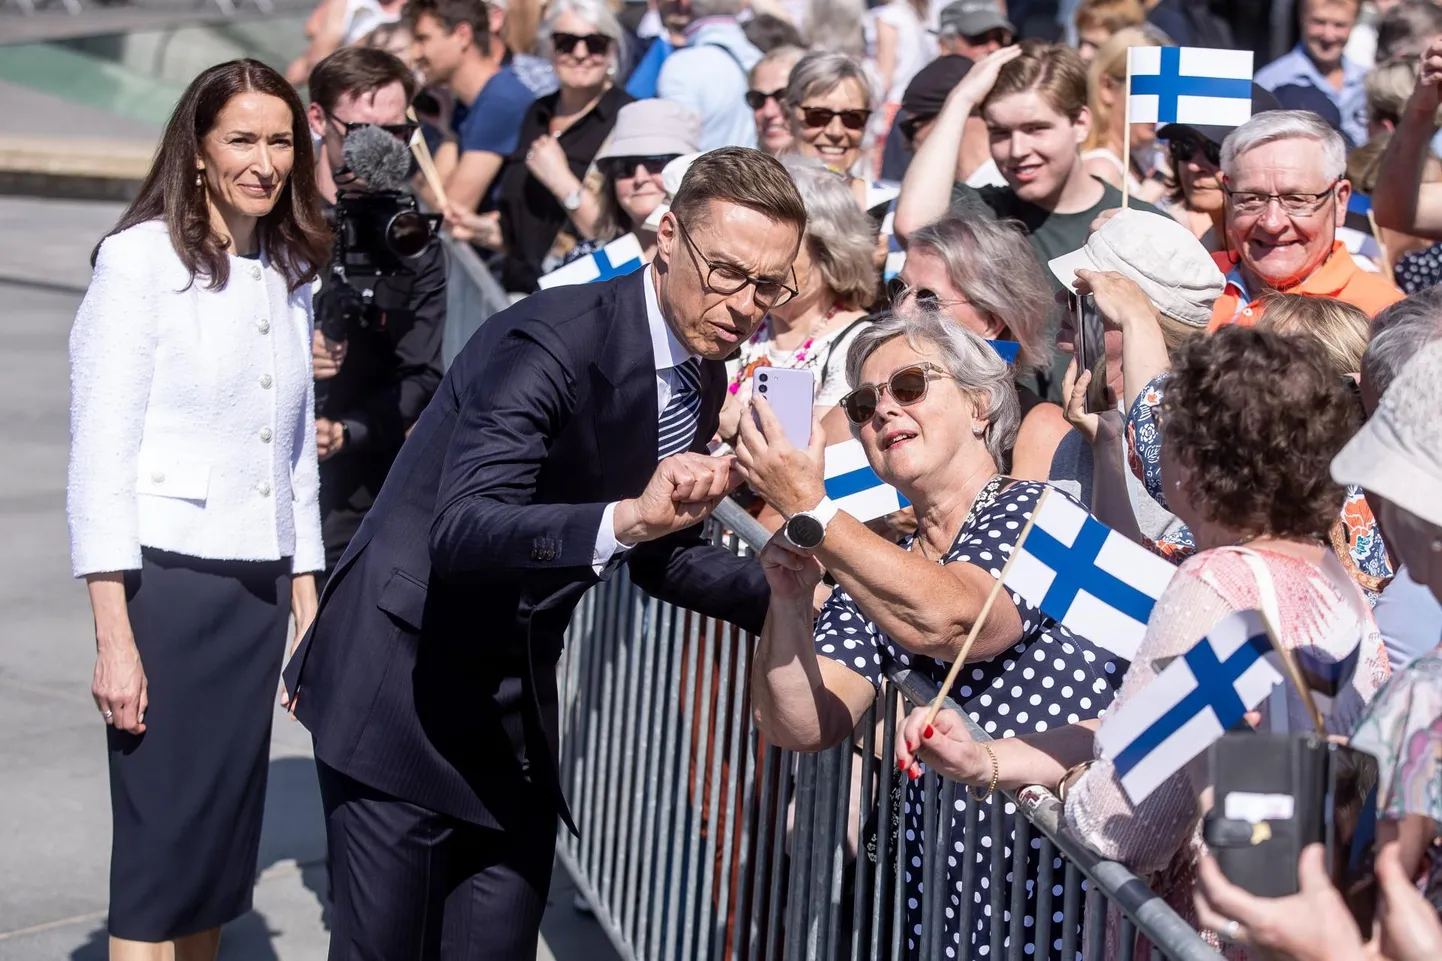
757,283
403,132
927,372
756,99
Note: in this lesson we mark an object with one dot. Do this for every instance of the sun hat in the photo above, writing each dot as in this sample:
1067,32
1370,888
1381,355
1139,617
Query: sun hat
1161,256
972,18
1398,453
653,128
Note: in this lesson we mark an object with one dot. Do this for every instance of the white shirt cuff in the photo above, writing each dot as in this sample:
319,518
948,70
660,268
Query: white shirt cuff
607,547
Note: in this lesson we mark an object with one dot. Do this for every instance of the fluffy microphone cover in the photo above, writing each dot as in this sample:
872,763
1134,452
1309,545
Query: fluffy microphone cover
381,161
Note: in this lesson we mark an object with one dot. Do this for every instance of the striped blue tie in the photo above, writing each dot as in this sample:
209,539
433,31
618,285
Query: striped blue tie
683,410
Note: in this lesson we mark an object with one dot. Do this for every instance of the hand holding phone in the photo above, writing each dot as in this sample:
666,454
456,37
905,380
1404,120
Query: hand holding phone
790,394
1090,348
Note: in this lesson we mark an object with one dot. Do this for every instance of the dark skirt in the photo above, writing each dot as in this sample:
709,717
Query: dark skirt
187,796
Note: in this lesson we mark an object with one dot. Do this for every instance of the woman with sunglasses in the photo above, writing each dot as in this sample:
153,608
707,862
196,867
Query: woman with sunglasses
649,135
934,409
766,96
540,187
829,99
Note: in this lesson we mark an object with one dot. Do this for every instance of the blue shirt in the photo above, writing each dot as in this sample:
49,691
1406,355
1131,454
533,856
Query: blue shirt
1295,67
492,122
642,84
1409,619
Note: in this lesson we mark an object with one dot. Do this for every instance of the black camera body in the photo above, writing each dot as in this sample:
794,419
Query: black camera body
377,234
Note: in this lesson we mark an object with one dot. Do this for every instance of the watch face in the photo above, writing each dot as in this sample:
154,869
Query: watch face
805,531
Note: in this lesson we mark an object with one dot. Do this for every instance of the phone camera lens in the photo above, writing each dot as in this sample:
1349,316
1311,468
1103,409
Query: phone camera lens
762,376
762,388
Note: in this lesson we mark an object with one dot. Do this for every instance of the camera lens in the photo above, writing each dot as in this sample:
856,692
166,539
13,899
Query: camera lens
407,234
762,376
762,388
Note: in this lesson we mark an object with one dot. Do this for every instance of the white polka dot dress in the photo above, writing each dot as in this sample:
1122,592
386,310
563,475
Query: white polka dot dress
1048,679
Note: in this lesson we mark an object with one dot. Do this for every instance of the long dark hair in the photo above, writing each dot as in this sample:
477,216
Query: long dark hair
294,234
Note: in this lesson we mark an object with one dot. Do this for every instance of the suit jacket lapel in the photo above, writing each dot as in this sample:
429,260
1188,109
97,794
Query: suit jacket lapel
624,387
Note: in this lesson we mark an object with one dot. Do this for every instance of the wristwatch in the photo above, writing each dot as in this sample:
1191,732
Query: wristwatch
572,200
807,529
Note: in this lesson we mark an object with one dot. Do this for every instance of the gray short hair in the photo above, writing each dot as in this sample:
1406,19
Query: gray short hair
971,248
970,361
842,238
820,72
1274,125
595,12
1399,334
785,54
715,8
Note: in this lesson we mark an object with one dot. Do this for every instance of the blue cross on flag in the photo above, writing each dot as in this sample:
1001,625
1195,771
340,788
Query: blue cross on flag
619,257
1192,85
1096,582
854,487
1190,704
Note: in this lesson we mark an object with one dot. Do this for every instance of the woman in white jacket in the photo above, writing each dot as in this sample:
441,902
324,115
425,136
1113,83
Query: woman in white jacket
192,495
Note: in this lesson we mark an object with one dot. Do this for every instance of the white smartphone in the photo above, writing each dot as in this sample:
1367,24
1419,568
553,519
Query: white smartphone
790,394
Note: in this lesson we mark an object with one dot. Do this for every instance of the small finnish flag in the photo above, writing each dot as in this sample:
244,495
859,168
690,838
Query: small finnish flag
1192,85
1096,582
854,487
619,257
1190,704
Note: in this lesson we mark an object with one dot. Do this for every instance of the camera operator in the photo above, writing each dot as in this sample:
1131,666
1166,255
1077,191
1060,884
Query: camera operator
381,310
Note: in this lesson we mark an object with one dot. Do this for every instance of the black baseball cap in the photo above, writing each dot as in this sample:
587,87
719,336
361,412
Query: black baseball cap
1262,101
929,88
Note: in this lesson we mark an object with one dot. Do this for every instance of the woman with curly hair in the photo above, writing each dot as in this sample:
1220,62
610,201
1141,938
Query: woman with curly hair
1251,422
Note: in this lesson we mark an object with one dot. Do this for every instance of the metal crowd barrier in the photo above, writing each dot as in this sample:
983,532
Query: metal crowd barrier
700,841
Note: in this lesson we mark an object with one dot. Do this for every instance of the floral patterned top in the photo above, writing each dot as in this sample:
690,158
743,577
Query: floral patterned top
1402,728
1354,537
824,355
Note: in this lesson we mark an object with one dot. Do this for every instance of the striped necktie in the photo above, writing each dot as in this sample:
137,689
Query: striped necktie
683,411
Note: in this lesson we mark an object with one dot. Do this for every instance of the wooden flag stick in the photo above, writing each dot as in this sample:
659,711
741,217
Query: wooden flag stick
1127,137
428,165
1294,674
1382,247
981,617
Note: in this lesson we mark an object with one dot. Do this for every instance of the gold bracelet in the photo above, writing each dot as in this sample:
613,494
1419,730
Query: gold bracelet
995,774
1061,785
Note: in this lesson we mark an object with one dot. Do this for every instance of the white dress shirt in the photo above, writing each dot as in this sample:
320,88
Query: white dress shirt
669,353
192,413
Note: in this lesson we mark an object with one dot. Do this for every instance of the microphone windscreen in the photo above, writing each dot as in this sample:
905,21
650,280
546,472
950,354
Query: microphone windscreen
382,161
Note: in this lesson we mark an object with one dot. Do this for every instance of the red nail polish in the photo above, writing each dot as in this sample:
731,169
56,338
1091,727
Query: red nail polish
915,773
900,764
926,733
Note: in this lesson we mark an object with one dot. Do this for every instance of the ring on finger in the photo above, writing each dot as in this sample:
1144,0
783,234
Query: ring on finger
1232,932
107,714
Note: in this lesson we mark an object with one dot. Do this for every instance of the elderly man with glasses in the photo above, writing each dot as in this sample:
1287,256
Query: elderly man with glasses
1286,193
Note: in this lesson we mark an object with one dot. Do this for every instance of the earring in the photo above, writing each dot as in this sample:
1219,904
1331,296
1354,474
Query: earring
978,431
199,180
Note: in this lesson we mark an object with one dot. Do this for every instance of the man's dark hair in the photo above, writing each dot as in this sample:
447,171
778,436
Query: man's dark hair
741,176
451,14
767,32
354,71
1255,418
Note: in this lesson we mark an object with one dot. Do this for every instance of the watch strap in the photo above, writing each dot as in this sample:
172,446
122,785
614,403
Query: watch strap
825,511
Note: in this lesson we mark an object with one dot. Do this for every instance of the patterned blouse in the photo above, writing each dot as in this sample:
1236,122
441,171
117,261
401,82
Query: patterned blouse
1402,728
1354,537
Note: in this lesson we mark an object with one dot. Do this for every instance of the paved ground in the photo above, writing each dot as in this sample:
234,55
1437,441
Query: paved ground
54,821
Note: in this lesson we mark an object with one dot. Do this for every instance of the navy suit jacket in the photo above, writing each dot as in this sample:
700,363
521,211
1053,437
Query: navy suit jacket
429,672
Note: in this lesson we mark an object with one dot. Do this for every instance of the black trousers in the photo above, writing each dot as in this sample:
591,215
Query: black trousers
409,884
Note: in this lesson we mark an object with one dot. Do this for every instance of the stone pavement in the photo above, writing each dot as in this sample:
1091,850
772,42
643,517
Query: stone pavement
54,820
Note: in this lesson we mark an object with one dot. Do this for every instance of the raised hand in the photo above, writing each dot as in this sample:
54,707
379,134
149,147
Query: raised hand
788,478
792,574
979,80
683,491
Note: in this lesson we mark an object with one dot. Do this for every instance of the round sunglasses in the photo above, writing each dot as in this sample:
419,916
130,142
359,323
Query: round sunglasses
907,386
822,117
597,44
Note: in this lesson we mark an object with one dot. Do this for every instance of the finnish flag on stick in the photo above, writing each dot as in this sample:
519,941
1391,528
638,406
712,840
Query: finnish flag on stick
854,487
1087,576
619,257
1193,85
1190,704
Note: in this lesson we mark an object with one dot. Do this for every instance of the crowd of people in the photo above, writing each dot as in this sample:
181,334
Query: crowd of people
901,200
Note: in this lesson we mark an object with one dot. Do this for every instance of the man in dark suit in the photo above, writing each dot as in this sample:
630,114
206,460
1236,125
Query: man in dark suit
428,680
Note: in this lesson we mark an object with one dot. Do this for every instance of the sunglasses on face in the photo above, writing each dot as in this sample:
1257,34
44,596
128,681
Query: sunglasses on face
822,117
619,168
401,131
597,44
897,291
1187,148
911,125
756,99
907,386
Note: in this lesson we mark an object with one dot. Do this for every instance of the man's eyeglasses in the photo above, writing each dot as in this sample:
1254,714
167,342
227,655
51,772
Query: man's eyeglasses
911,125
726,279
1183,149
822,117
897,291
401,131
597,44
619,168
756,99
907,387
1293,204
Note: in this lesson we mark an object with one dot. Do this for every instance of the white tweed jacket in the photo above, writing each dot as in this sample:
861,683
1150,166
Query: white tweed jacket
192,413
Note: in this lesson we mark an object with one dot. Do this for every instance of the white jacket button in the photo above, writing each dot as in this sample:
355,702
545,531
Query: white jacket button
263,326
263,488
254,273
157,478
265,434
265,381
